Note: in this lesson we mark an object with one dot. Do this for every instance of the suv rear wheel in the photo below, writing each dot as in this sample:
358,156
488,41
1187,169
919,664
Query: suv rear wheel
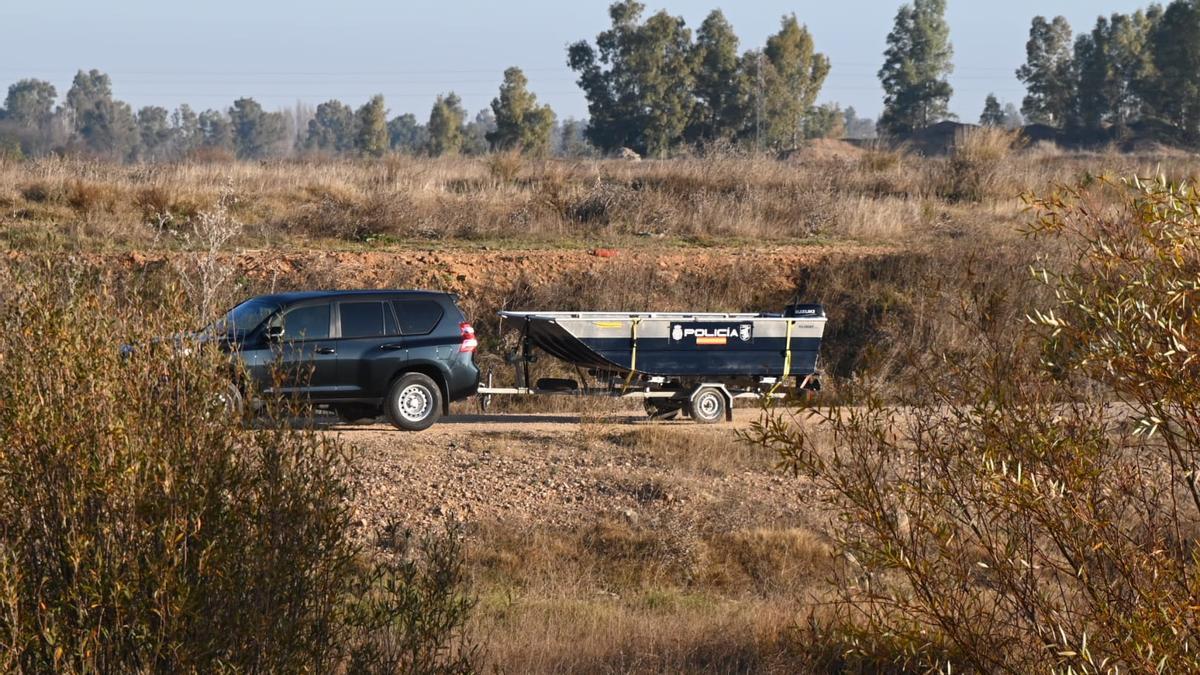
414,402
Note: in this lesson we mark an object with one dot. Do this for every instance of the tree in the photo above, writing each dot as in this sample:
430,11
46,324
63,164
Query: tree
520,122
722,107
1012,117
256,133
638,80
106,126
154,133
665,81
1112,64
993,114
1093,72
572,139
916,65
1174,92
185,131
446,125
475,133
794,79
216,131
858,127
331,129
87,91
1131,62
372,132
406,135
825,121
30,103
27,118
1047,72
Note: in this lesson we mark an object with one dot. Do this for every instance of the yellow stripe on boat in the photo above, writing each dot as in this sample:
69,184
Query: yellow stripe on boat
609,324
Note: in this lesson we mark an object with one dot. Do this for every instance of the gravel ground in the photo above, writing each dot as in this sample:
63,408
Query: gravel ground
563,471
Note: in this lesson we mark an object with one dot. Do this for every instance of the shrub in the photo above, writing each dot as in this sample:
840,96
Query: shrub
504,167
973,170
86,197
1005,515
142,528
38,193
880,156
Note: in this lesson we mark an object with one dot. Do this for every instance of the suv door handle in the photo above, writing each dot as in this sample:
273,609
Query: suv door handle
326,350
392,346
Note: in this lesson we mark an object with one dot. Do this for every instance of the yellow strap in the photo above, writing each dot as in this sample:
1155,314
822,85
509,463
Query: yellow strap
632,358
787,361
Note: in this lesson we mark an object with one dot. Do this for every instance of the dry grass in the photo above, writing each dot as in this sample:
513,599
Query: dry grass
877,194
685,582
618,597
652,633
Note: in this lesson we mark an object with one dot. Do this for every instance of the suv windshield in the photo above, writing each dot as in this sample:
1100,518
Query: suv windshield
243,318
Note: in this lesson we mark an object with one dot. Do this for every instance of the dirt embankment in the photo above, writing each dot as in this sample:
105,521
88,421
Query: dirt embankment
468,271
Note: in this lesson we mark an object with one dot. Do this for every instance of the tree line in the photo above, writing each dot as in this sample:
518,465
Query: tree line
1142,67
1139,67
650,87
653,86
90,121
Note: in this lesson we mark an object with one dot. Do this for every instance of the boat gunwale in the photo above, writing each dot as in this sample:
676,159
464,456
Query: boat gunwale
664,316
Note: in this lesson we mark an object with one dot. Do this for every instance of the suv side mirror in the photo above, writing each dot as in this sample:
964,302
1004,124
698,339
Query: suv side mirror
274,333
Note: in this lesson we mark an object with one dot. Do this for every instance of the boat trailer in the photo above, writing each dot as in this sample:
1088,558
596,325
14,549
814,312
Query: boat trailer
691,364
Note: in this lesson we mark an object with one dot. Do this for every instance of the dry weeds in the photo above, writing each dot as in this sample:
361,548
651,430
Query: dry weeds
875,194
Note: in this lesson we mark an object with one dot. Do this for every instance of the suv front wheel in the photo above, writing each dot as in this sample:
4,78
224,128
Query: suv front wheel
414,402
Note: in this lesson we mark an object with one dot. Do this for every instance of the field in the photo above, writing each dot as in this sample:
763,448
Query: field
597,541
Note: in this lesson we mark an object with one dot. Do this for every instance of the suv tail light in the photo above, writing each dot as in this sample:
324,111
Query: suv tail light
469,343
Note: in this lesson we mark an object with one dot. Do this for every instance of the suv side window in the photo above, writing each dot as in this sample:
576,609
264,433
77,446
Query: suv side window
417,317
310,322
363,319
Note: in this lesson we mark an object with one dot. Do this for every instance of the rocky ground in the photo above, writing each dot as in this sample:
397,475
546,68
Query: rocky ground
564,470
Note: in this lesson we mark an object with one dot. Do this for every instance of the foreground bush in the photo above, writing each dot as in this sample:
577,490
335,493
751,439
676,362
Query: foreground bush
143,529
1032,505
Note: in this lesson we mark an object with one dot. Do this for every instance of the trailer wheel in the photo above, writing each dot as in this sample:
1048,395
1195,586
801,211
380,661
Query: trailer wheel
707,406
664,411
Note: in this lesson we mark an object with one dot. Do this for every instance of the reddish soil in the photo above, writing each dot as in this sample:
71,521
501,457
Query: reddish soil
466,270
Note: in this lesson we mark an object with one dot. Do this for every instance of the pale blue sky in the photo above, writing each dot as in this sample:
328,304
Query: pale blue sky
208,53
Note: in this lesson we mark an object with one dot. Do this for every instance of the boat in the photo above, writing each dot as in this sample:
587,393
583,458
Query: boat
691,364
685,345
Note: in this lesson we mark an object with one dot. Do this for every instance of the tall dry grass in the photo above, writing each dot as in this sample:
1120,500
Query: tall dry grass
876,193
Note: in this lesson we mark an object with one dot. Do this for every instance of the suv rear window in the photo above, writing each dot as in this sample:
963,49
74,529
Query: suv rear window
417,317
362,319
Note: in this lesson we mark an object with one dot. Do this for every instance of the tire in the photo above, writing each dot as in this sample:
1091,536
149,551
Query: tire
356,413
414,402
231,402
708,406
663,411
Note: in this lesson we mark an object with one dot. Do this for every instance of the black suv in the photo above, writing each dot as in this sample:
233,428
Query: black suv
407,354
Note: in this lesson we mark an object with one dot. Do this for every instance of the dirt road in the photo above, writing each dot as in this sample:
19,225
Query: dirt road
563,470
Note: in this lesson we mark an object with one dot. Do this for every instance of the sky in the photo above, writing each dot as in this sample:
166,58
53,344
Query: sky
206,54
